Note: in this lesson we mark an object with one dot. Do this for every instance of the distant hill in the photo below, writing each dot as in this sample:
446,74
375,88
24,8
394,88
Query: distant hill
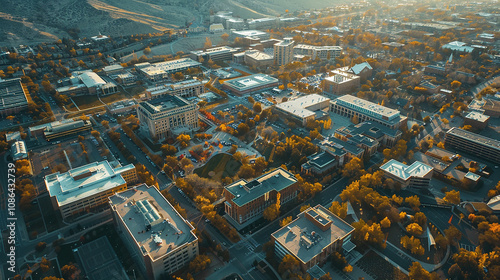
31,21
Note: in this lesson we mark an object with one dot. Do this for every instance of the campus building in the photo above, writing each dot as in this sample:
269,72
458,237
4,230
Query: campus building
184,89
473,143
13,97
319,52
363,70
341,83
246,201
305,108
86,83
324,162
350,106
62,128
253,83
373,130
18,150
476,120
167,116
283,52
162,70
417,175
257,59
215,54
86,187
312,237
159,239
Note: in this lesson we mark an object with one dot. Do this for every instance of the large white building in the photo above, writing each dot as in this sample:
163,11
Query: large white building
160,239
187,88
283,52
86,82
305,108
350,106
162,70
320,52
167,116
88,186
417,175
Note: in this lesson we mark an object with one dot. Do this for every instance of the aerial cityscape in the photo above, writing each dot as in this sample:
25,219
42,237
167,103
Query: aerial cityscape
250,140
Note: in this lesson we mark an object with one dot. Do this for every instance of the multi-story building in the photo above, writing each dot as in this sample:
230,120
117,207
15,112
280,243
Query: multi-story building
13,97
373,130
215,54
320,52
253,83
88,186
283,52
351,149
260,35
324,162
473,143
350,106
160,240
184,89
305,108
18,150
341,83
61,128
84,83
417,175
257,59
312,237
162,70
246,201
363,70
476,120
167,116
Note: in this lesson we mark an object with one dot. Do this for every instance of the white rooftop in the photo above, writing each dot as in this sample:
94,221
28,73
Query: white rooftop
477,116
367,107
157,228
403,171
91,79
299,107
84,181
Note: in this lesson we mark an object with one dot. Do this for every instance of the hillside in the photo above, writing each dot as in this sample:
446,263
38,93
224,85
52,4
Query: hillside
31,21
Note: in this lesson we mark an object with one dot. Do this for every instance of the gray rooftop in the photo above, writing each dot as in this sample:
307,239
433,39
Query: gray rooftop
166,102
142,207
12,94
311,232
321,159
276,180
474,137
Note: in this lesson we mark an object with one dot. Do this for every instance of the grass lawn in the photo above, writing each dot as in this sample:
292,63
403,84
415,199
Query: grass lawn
87,101
222,165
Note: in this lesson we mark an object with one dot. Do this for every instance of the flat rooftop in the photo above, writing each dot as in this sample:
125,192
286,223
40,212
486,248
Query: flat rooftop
164,103
12,94
222,49
474,137
300,106
250,82
477,116
403,171
169,66
340,76
367,107
321,159
84,181
305,239
157,228
275,180
249,33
